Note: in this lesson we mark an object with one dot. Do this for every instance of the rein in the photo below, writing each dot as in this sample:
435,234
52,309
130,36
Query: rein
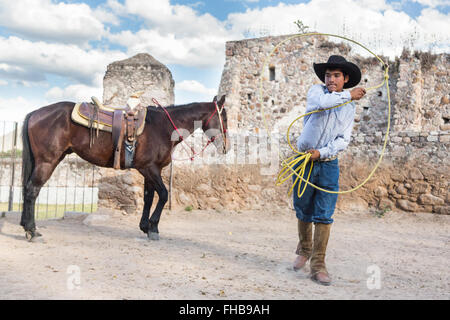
210,140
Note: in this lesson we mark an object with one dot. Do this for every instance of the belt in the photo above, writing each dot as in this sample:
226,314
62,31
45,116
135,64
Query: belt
328,159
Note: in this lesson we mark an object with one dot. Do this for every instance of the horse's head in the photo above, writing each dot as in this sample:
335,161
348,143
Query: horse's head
215,127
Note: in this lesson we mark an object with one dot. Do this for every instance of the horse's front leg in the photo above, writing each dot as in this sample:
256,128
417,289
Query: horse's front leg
163,195
153,182
149,192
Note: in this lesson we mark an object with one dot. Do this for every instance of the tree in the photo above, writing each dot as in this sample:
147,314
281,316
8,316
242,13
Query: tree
301,27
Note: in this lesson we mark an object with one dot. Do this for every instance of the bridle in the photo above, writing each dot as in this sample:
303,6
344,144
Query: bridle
223,131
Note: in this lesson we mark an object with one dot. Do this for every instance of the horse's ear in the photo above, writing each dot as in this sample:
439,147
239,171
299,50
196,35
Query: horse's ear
222,100
215,99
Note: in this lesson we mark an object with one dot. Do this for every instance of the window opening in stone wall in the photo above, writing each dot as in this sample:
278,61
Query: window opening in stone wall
272,73
446,119
249,96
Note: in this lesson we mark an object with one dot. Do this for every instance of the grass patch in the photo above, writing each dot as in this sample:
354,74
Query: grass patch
381,212
10,153
52,211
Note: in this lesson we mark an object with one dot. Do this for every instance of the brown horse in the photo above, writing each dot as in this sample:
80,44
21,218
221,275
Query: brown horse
49,134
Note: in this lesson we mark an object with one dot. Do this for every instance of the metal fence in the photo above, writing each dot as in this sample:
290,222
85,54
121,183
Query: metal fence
73,185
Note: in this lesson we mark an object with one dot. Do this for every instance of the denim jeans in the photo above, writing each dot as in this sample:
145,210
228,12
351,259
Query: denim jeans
315,205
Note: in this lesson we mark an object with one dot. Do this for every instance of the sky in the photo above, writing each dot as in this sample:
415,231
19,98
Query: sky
54,51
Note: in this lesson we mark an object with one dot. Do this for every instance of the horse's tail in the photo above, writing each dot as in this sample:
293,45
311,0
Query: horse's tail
27,155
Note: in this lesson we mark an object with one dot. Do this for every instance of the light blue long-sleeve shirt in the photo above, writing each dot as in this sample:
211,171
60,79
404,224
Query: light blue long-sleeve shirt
328,131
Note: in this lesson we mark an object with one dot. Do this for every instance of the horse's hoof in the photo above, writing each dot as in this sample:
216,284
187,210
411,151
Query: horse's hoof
144,229
153,235
30,235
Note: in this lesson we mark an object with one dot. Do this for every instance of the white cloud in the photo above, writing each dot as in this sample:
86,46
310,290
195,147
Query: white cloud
318,15
433,3
105,16
3,82
269,20
158,10
243,1
19,73
71,61
116,7
199,51
434,26
46,20
374,23
177,34
196,4
377,5
74,93
195,87
173,33
16,109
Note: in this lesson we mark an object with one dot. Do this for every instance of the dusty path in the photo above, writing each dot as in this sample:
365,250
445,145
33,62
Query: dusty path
227,255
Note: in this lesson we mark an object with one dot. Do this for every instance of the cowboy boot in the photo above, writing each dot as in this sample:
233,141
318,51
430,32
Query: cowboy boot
319,271
304,247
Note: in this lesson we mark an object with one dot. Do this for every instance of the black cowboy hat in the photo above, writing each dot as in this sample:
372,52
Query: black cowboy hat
339,62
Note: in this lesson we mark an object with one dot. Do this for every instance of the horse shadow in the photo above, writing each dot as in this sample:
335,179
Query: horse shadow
13,218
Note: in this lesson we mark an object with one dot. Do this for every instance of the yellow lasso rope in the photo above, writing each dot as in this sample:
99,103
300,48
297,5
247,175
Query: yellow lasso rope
287,170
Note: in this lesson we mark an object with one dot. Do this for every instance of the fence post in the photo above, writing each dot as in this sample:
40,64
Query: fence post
13,166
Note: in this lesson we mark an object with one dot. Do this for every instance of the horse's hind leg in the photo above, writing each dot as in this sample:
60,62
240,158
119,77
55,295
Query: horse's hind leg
41,173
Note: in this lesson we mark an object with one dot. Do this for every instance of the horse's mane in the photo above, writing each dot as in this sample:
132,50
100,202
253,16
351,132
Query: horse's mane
178,107
181,107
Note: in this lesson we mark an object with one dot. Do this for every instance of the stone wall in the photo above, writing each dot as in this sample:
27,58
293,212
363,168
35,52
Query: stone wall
414,172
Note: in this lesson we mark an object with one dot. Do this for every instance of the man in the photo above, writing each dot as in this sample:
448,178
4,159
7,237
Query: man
324,135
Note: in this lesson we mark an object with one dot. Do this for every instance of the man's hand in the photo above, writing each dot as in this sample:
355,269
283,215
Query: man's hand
357,93
315,154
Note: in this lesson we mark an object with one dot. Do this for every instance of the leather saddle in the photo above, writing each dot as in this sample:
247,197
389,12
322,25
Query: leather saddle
124,123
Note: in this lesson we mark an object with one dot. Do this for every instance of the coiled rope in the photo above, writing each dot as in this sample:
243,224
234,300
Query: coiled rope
287,170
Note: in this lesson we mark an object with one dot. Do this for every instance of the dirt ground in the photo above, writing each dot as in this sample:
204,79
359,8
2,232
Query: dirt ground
224,255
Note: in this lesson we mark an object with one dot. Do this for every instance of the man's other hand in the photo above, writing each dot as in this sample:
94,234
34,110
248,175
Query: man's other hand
357,93
315,154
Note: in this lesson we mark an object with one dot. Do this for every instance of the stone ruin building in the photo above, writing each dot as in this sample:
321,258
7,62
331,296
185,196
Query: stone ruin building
413,174
123,190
